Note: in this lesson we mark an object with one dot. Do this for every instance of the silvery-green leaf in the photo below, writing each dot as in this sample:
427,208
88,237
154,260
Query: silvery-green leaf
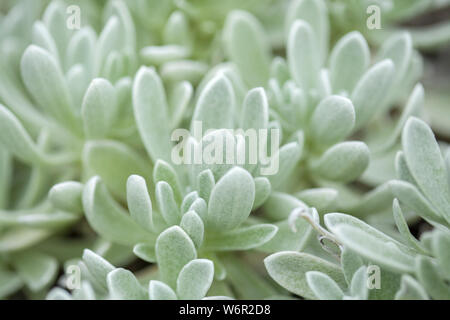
15,138
282,164
195,279
279,70
399,49
183,70
45,82
47,220
403,228
319,198
215,104
315,13
85,292
192,224
42,38
179,101
323,286
205,184
120,9
410,289
174,249
21,238
145,251
99,108
98,267
58,294
55,19
231,200
262,191
244,238
78,81
348,62
429,276
413,107
370,243
441,249
160,291
289,270
323,84
256,110
81,49
412,198
288,239
114,162
332,120
304,62
371,91
280,205
151,113
402,170
123,285
247,47
220,272
114,66
166,203
217,153
358,285
177,31
157,55
426,164
163,171
350,263
188,200
139,202
36,269
200,207
109,41
108,219
343,162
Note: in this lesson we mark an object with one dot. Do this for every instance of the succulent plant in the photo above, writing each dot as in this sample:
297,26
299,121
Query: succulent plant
221,150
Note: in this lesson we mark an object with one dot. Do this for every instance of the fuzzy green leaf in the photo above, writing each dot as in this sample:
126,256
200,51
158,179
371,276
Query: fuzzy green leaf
332,120
244,238
160,291
174,249
195,279
289,270
123,285
343,162
323,286
108,219
231,200
348,62
151,113
247,47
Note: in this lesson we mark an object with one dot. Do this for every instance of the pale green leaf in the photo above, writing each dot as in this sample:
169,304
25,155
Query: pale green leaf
108,219
160,291
244,238
195,279
247,47
332,120
231,200
289,270
174,249
151,113
323,286
349,60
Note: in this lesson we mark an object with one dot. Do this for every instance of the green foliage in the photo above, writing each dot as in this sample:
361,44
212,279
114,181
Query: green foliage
92,120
